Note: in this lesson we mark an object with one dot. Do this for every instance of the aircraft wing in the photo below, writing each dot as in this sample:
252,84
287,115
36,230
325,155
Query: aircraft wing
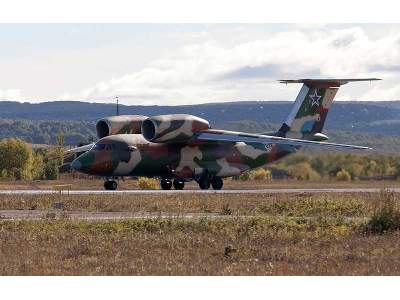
233,136
83,148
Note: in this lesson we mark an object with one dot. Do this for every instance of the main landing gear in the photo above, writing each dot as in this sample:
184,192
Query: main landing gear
215,181
204,182
166,184
110,185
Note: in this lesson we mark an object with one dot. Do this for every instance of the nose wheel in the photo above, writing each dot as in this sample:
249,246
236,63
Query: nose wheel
110,185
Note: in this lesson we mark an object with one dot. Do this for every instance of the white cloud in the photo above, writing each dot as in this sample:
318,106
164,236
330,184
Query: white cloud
211,72
10,94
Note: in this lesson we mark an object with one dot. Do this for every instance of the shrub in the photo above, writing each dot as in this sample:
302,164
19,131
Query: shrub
245,176
260,174
51,170
343,175
303,171
386,216
148,183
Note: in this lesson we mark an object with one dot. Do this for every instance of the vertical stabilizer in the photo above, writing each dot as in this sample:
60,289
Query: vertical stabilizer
312,105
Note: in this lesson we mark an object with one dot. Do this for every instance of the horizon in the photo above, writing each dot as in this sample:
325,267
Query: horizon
194,104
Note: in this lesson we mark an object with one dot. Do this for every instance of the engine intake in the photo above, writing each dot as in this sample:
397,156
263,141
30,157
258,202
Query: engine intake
172,128
119,125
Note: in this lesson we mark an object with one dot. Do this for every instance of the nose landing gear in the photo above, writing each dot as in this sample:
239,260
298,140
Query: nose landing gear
110,185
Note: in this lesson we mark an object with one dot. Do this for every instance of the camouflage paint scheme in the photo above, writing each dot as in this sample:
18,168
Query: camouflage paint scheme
170,146
181,160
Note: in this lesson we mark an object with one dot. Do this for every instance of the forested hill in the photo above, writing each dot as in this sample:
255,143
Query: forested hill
39,123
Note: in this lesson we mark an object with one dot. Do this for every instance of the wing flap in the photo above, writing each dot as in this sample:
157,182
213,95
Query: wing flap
233,136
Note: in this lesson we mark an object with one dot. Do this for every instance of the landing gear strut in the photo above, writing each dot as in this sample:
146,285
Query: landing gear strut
179,184
110,185
166,184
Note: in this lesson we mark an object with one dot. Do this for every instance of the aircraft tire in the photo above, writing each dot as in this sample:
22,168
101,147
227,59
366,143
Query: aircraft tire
165,184
217,183
179,184
204,184
110,185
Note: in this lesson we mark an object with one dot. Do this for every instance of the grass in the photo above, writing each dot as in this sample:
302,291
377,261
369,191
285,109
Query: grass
326,234
259,246
328,204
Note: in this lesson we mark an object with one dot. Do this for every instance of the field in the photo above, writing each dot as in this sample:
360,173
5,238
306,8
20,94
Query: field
254,234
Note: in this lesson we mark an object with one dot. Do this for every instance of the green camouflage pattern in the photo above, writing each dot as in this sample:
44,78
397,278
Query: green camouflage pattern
112,156
172,128
120,125
309,111
185,147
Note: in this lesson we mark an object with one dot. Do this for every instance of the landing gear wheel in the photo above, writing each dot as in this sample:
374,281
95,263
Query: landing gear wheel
110,185
179,184
217,183
204,183
166,184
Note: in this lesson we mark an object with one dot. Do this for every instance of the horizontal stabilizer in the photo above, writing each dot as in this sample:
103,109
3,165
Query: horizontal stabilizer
332,81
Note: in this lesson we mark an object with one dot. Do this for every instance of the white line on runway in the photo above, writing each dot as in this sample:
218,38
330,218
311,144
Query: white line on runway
259,191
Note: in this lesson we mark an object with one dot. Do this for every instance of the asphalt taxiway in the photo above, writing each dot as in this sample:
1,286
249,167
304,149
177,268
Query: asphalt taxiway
253,191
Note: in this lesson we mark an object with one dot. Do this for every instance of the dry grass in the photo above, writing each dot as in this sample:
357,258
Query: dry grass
263,246
315,205
287,235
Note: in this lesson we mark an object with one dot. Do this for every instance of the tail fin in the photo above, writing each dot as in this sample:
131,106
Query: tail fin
312,105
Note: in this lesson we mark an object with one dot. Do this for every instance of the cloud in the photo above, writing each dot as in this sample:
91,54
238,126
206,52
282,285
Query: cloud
212,72
10,94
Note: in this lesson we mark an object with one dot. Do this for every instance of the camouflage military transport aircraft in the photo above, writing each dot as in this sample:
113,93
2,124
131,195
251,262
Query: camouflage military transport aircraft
178,148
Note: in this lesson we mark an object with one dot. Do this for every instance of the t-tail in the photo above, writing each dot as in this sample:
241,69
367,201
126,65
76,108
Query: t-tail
307,117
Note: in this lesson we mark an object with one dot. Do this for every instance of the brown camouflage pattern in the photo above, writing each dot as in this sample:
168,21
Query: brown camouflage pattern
172,128
166,145
180,160
120,125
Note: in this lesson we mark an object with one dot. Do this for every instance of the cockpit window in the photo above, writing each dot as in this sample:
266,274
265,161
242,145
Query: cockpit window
99,147
117,146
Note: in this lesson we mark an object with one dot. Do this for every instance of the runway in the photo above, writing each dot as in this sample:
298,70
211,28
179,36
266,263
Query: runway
253,191
103,216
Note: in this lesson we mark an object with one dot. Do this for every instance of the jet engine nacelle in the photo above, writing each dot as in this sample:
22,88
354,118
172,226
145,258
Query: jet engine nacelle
172,128
119,125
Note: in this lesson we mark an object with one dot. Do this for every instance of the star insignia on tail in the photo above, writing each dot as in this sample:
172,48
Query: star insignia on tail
315,98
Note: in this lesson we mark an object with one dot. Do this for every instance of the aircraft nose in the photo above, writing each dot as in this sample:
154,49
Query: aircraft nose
76,165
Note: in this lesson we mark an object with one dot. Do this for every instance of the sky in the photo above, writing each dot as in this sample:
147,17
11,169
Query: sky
175,64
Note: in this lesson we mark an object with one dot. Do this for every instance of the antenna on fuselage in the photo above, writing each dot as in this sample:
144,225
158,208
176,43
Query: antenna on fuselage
117,98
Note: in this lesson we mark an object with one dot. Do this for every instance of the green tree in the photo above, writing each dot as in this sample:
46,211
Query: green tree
15,159
51,170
